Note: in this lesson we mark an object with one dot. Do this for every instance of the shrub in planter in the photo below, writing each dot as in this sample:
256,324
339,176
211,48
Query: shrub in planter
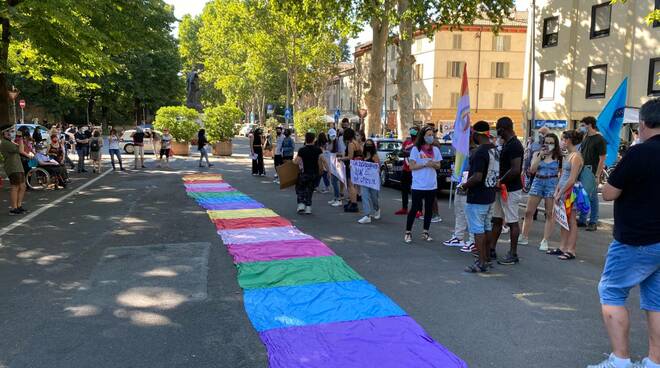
312,119
220,124
182,124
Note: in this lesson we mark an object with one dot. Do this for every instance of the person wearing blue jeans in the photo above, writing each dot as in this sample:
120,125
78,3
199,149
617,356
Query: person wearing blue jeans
634,256
82,148
370,196
594,150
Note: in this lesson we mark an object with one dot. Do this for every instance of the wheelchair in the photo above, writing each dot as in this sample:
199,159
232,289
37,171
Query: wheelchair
39,178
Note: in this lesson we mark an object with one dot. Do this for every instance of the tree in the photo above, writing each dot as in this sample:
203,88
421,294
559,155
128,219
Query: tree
310,120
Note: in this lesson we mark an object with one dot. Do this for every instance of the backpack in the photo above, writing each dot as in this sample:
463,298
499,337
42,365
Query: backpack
493,172
94,145
287,147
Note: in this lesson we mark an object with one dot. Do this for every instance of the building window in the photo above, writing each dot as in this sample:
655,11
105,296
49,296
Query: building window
656,23
455,69
600,20
417,103
499,100
547,85
596,81
454,99
500,70
419,71
418,45
457,42
550,32
501,43
654,77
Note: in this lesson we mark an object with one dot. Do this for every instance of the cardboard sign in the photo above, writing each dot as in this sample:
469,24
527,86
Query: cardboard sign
288,174
560,214
337,168
366,174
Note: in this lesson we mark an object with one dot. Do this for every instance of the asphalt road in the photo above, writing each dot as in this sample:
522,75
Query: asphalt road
130,273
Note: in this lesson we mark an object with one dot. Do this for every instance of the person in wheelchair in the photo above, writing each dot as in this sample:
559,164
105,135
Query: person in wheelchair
53,168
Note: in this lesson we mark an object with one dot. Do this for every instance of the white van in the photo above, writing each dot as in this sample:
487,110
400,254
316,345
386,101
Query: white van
151,145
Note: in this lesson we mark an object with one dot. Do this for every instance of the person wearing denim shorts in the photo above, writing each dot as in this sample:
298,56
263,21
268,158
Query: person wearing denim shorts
480,195
634,256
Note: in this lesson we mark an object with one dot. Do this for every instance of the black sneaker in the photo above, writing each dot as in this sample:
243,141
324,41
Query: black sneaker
581,224
476,267
14,212
510,259
592,227
493,255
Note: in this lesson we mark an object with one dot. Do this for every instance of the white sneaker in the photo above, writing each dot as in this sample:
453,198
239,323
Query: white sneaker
365,220
377,215
336,204
308,210
609,363
454,242
645,363
544,245
332,201
523,241
505,229
468,248
436,218
324,191
301,207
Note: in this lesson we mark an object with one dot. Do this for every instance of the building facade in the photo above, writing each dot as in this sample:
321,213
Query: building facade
583,50
495,68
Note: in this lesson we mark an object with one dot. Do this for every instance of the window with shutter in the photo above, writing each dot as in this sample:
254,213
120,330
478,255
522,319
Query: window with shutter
500,70
501,43
457,41
456,69
499,100
454,99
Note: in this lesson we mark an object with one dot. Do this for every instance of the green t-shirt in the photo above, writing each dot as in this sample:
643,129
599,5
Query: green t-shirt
9,151
592,148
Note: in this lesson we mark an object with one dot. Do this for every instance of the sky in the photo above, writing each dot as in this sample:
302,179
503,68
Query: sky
194,7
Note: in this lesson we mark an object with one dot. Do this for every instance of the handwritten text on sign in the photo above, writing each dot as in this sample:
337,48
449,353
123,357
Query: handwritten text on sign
365,174
560,214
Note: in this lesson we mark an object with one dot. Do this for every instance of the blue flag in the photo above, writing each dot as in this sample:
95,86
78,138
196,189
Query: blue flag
610,121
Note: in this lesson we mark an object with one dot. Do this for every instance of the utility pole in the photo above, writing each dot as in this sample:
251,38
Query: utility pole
533,67
385,94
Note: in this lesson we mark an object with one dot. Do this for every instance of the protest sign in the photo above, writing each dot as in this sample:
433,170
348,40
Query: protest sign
365,174
288,174
337,168
560,214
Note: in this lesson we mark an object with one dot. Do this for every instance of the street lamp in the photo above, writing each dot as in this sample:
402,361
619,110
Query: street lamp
13,93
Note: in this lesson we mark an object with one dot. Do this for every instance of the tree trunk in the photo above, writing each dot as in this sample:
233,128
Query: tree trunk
405,115
4,69
136,105
374,96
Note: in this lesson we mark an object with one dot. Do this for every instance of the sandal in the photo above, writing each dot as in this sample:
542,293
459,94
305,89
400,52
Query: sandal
476,268
567,256
408,237
555,252
426,236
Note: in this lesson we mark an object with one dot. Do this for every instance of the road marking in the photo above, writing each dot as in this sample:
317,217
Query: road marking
37,212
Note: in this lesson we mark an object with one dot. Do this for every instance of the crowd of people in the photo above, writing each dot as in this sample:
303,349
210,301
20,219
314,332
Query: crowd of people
562,171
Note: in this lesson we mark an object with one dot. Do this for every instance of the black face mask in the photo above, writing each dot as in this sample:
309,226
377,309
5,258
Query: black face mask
278,133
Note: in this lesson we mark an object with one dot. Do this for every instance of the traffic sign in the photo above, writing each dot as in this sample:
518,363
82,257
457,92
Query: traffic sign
21,103
287,113
269,109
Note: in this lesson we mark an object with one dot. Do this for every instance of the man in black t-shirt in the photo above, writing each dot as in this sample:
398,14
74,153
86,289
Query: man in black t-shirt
634,256
507,200
309,157
82,147
480,194
594,150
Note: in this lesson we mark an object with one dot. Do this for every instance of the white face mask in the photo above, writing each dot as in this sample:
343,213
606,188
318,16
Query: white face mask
551,147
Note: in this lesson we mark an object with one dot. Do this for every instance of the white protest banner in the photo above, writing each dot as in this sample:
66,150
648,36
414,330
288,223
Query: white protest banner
365,174
560,214
337,167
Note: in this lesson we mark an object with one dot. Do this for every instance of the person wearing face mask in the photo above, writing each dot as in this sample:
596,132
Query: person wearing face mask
545,166
332,147
370,196
277,157
506,207
594,150
406,173
533,146
424,160
633,257
13,168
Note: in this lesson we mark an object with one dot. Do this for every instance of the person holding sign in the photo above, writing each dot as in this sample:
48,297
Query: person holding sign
353,152
424,160
570,171
309,158
370,196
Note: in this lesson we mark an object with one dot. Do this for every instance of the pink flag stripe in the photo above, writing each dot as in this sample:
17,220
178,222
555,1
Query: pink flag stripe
278,250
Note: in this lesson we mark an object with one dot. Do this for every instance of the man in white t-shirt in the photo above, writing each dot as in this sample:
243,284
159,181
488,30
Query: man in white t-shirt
277,157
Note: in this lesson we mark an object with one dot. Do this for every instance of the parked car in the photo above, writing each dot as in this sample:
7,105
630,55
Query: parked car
392,166
150,145
31,127
385,146
246,129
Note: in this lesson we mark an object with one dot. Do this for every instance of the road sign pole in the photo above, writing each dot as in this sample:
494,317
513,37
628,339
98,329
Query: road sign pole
22,115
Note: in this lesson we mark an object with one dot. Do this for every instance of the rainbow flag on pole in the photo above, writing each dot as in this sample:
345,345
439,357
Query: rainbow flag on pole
461,138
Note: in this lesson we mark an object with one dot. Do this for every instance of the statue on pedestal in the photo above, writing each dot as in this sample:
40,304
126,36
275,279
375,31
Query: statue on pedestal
193,93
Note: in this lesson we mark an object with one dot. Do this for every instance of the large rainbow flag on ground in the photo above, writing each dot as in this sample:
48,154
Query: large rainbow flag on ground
310,308
461,138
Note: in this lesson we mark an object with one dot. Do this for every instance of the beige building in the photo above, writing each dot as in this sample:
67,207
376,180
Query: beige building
583,51
495,66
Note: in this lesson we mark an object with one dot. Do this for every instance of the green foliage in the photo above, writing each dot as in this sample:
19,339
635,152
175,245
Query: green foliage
180,120
189,46
650,18
220,122
310,120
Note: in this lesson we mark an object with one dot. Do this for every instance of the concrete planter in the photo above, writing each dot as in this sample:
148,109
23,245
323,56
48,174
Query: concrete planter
222,148
180,148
